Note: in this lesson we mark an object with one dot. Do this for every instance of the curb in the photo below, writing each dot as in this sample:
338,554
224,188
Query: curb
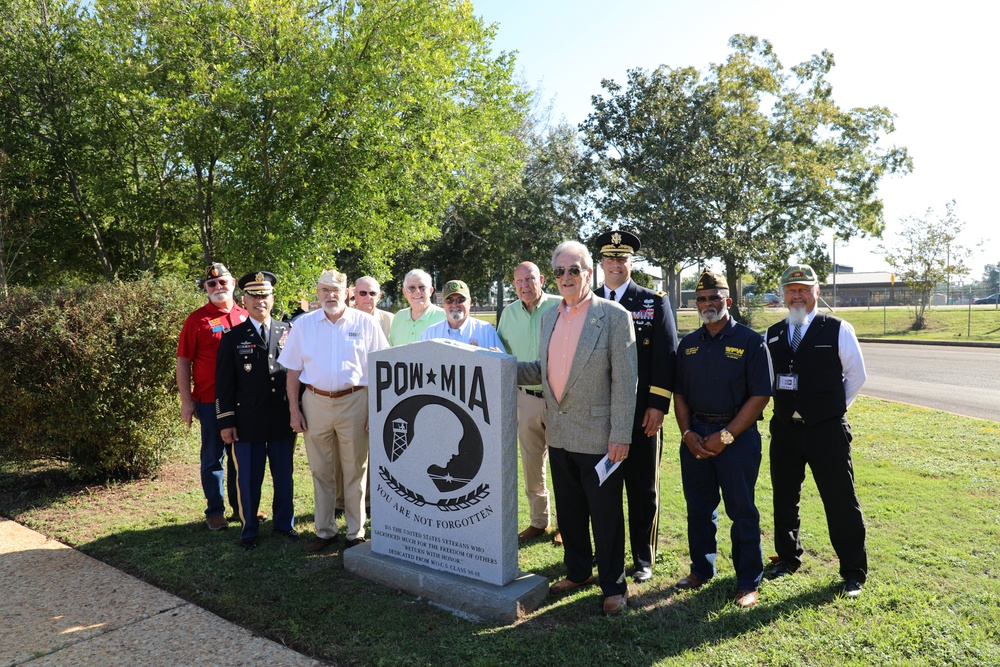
945,343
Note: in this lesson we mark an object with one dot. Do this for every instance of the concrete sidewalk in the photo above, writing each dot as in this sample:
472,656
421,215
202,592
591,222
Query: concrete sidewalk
61,607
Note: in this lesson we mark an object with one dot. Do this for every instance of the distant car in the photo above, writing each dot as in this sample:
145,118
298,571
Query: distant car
992,298
767,299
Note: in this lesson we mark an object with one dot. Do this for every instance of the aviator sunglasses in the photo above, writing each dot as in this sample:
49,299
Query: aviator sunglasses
560,271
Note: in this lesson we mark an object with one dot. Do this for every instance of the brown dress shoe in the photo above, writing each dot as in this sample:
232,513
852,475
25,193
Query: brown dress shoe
689,583
217,522
746,599
557,538
565,586
530,533
615,604
355,542
318,544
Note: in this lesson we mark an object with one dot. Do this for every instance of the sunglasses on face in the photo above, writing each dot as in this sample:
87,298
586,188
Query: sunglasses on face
361,292
416,288
455,299
715,298
560,271
220,282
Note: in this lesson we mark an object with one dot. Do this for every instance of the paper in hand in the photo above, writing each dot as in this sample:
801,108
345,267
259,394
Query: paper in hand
604,468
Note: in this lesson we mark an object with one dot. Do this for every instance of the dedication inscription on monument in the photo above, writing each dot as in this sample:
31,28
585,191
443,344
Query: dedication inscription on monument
443,458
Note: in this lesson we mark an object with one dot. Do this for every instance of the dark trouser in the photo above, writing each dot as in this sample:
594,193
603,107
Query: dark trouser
826,448
642,486
250,460
734,472
213,450
580,501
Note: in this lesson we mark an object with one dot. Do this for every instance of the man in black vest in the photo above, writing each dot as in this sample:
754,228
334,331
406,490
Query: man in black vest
818,371
656,349
251,406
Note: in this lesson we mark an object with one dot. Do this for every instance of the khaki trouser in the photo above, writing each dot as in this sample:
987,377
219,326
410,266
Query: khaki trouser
337,434
531,436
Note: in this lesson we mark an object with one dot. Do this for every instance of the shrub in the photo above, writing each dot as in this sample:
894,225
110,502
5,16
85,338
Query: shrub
90,374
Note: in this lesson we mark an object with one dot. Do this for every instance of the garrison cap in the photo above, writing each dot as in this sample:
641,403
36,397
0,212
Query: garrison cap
801,274
258,283
456,287
333,278
712,280
618,244
215,270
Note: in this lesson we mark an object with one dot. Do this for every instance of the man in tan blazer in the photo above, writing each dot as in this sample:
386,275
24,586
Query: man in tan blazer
587,369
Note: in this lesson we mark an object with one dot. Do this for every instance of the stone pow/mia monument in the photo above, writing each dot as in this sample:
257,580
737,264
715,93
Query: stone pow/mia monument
443,465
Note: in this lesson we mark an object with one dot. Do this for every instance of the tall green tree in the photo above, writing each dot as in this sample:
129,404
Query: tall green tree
747,163
928,253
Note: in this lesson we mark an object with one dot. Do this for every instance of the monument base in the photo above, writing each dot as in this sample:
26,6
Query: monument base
504,604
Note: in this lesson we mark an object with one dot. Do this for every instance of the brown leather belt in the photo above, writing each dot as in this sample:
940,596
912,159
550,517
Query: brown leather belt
333,394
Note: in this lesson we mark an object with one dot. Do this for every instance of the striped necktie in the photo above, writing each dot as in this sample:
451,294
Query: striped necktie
796,337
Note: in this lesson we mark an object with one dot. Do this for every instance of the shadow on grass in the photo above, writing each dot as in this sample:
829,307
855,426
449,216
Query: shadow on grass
27,486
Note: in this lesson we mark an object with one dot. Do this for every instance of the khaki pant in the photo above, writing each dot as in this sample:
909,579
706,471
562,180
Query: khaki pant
531,436
337,438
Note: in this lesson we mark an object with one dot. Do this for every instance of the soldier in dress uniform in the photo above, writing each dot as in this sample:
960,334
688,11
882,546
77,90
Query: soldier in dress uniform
656,349
251,407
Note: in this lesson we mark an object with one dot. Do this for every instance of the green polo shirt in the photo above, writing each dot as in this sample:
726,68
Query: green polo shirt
521,331
404,330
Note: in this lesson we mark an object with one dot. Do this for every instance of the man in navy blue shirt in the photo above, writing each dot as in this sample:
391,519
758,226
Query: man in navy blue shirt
723,385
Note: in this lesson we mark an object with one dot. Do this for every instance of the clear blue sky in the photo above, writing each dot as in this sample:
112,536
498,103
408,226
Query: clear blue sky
929,64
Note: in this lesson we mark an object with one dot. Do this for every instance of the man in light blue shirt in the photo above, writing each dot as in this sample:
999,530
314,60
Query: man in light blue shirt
458,326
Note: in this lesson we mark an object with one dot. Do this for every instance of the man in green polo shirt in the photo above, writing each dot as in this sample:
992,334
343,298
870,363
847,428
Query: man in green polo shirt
410,323
520,330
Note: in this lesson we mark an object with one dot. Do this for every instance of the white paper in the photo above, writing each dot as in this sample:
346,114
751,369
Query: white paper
604,468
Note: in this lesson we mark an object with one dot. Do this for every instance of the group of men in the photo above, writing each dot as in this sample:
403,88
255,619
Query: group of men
596,372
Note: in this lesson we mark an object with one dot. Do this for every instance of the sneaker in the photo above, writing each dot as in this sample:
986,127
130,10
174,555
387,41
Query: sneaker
217,522
852,588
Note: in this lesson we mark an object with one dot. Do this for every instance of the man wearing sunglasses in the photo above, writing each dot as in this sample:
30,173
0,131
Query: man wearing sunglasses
587,369
196,359
459,326
656,347
409,323
367,293
723,385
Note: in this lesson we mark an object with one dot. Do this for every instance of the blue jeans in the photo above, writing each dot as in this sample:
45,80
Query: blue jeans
734,473
213,450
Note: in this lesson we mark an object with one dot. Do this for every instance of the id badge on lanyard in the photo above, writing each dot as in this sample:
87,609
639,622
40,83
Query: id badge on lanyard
788,382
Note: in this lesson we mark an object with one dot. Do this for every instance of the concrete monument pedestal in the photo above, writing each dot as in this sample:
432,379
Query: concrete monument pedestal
443,464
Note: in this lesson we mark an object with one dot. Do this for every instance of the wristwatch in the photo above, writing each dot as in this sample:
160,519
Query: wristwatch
727,437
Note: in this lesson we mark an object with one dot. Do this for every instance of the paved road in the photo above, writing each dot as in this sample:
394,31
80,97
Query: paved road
963,380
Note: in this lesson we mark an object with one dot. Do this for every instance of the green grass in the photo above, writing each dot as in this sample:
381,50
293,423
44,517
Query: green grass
928,483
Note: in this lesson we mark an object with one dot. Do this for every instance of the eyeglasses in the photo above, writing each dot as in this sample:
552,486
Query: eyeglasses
416,288
455,299
361,292
715,298
559,271
221,282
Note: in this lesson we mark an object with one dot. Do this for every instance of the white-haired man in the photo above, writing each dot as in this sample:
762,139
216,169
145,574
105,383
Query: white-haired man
367,293
327,351
410,323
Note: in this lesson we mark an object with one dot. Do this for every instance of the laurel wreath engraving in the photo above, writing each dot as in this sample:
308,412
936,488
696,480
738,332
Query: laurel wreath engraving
445,504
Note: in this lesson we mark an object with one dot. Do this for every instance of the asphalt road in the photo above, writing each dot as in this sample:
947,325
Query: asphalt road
962,380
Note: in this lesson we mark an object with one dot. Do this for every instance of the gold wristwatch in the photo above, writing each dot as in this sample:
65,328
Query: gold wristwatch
727,437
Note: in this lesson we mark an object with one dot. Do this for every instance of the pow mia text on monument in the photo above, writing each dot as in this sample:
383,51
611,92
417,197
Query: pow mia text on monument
443,424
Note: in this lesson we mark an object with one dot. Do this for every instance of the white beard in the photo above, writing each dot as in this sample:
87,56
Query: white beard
711,316
797,315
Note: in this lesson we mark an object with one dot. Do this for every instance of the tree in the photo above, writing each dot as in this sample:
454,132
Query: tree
927,254
748,163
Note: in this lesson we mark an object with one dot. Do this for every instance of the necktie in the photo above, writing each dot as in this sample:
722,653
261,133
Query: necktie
612,297
796,337
263,334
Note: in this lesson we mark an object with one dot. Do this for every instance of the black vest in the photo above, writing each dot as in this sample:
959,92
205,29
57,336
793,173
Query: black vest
821,393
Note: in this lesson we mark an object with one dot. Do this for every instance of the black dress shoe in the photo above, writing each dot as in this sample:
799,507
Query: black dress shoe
249,545
781,568
292,534
642,574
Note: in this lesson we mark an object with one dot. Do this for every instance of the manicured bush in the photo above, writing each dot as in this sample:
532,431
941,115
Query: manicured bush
89,374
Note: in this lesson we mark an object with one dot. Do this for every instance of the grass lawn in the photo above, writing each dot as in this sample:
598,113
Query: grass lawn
928,482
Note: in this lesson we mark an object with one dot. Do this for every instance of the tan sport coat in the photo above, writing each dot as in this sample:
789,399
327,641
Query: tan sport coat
598,404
